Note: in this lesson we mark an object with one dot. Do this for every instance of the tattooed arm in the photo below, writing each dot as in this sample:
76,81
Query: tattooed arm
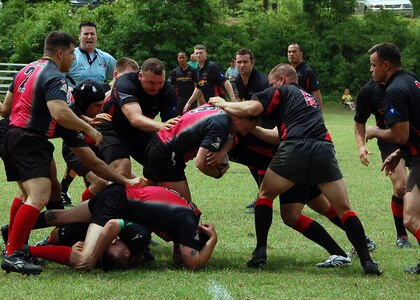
78,214
194,259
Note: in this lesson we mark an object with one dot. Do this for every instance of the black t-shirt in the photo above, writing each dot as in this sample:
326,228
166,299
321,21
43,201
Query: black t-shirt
296,113
257,82
307,77
371,101
128,89
402,104
211,80
184,81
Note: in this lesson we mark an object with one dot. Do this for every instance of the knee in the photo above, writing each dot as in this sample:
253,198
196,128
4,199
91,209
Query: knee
289,218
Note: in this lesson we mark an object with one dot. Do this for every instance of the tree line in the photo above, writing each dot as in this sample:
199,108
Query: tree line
335,41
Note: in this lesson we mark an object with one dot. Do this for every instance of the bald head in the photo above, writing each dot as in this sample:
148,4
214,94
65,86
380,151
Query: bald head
282,74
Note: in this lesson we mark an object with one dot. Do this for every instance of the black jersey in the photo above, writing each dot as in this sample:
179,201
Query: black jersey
402,104
296,113
159,208
307,77
257,82
371,101
211,80
206,126
129,89
184,81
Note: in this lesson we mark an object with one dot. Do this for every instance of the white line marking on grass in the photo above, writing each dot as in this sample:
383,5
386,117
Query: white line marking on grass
218,291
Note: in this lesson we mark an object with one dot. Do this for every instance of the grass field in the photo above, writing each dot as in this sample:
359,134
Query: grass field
289,272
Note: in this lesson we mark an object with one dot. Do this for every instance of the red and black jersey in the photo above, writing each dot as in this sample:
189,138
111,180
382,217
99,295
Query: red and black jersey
206,126
257,82
159,208
128,89
296,113
402,104
371,101
35,85
184,81
307,77
211,80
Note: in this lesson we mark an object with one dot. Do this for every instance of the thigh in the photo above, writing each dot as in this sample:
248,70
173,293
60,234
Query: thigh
273,185
336,193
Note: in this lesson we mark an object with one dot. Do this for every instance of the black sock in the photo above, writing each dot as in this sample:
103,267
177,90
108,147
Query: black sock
40,222
317,233
68,178
263,220
397,205
356,235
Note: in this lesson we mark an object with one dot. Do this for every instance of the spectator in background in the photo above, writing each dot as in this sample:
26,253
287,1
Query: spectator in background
184,78
211,80
306,76
193,62
347,99
231,74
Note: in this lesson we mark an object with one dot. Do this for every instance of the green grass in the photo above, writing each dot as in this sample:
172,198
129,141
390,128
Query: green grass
289,272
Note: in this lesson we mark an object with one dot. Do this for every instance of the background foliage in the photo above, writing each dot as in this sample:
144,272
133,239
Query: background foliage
334,40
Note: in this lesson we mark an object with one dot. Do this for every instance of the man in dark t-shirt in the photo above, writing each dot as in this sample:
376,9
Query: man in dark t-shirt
401,111
184,78
211,80
370,101
305,155
306,76
136,99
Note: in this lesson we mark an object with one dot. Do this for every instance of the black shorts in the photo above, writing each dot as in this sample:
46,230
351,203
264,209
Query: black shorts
116,146
300,193
3,129
386,149
74,162
252,152
306,162
414,176
161,164
27,155
70,234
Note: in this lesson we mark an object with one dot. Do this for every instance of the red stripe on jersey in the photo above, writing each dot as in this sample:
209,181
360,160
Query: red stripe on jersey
283,131
328,136
274,102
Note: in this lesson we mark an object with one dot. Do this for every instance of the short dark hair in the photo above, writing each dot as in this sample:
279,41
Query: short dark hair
184,52
200,47
153,65
86,24
124,62
57,40
387,52
297,45
245,51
